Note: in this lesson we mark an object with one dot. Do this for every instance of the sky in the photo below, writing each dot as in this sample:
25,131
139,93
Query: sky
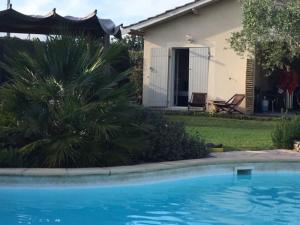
120,11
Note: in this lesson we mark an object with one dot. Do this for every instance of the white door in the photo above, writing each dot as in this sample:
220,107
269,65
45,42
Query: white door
198,75
157,90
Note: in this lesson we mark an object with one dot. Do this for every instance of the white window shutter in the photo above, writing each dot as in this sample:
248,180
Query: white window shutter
157,90
198,75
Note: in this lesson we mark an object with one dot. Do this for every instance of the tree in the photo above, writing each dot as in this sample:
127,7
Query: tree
270,31
135,46
134,42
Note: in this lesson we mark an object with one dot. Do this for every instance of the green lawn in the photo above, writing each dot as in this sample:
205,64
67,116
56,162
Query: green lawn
234,134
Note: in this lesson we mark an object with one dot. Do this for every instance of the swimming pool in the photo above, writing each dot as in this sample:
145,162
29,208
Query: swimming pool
263,198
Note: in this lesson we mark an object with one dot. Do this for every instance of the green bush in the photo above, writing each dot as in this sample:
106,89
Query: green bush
64,105
9,46
69,104
286,131
168,141
10,158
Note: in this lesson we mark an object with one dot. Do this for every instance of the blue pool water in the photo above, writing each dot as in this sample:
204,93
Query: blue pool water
261,199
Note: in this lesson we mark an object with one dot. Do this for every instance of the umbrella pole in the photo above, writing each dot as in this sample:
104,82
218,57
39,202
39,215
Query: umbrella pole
8,6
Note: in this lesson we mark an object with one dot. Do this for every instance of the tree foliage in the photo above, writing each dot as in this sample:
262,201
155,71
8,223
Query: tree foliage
134,42
135,45
64,105
10,45
270,31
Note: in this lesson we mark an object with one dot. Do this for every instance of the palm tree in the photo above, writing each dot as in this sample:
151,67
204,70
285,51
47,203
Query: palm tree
65,105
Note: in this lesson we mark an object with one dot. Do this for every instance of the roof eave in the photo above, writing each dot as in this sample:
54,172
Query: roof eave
168,15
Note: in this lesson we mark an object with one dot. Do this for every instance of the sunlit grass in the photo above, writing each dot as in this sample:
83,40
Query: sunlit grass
234,134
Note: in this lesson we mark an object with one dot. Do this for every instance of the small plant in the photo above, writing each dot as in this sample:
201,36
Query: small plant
286,131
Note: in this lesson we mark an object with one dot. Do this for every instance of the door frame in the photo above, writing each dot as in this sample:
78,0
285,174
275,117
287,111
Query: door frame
172,75
172,71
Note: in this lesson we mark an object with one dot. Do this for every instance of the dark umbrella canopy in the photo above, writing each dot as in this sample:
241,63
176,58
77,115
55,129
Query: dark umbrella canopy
13,21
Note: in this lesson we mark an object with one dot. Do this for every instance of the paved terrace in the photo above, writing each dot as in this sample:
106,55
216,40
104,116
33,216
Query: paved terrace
215,159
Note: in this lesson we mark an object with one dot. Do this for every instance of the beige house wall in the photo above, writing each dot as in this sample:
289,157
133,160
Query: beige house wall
210,28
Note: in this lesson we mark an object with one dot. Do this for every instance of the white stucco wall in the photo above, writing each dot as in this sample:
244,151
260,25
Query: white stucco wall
210,28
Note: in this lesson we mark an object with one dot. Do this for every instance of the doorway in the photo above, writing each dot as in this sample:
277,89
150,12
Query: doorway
181,90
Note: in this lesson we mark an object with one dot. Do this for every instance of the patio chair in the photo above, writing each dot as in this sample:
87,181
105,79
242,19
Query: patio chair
198,100
231,105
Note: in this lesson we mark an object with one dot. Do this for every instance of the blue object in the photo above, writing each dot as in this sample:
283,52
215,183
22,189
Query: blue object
259,199
265,105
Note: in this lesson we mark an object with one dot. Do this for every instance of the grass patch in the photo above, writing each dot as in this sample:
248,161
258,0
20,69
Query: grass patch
234,134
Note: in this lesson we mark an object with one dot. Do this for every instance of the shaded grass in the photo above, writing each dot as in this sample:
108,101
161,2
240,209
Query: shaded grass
234,134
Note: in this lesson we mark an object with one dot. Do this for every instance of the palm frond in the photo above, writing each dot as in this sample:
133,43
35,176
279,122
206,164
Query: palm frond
63,97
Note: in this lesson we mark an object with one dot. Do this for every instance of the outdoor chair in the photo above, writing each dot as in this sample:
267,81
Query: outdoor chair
231,106
198,100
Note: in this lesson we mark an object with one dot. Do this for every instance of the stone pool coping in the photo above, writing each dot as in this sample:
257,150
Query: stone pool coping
270,156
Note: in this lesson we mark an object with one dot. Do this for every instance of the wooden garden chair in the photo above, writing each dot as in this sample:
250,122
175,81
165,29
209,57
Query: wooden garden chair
231,106
198,100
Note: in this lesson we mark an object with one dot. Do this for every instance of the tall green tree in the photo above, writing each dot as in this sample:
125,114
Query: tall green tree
270,31
135,45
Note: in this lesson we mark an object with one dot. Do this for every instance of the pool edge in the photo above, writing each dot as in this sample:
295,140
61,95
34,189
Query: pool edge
217,159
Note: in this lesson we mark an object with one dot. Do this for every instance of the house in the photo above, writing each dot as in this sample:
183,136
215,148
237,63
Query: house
187,50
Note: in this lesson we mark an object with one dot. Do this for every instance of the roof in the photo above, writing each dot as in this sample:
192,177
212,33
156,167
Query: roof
168,15
15,22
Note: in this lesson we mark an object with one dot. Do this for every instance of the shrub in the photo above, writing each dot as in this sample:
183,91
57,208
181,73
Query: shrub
168,141
10,158
64,105
9,45
68,104
286,131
